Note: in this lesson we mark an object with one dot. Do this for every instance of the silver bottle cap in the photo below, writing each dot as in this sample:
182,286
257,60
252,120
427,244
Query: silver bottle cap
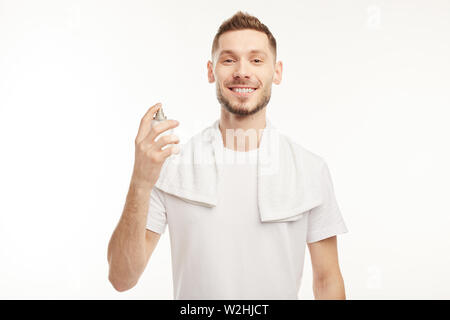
160,115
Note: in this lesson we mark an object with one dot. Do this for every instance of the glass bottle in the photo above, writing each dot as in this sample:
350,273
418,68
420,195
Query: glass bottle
159,116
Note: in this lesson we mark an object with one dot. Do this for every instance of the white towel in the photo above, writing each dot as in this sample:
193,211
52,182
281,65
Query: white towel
290,178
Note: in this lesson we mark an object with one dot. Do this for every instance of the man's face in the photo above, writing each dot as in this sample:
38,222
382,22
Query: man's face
244,59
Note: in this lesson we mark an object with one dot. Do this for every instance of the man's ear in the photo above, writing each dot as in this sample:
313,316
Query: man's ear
278,72
210,67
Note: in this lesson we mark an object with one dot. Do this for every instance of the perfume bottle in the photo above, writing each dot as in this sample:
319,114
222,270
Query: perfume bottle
159,116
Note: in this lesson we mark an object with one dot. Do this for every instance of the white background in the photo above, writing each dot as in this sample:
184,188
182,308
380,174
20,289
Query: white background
366,85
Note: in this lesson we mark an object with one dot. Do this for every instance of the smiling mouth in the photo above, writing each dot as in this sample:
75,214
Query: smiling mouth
242,92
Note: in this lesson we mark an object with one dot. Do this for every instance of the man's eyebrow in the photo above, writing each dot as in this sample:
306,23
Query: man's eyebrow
232,52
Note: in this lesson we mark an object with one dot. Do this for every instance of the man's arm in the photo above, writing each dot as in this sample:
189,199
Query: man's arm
131,245
327,279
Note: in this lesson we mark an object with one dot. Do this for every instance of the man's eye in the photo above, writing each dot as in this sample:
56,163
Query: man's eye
257,60
228,60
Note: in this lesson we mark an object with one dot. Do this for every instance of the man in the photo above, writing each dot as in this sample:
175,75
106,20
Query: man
226,252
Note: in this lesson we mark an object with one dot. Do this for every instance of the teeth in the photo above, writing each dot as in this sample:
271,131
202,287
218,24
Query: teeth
243,90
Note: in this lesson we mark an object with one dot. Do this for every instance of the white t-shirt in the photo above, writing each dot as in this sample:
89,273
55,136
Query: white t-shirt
226,252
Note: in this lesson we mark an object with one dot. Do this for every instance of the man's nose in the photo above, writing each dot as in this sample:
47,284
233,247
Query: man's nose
242,70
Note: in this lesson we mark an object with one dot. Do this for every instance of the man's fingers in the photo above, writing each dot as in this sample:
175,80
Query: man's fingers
144,127
165,140
159,128
170,150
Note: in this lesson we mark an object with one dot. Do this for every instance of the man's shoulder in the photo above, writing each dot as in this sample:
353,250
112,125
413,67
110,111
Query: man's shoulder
200,135
304,153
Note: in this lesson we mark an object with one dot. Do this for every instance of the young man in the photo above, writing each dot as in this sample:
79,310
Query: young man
231,249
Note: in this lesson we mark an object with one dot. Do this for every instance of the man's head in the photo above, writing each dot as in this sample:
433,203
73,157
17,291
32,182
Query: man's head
244,55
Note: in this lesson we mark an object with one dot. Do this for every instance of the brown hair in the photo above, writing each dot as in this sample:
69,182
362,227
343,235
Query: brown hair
239,21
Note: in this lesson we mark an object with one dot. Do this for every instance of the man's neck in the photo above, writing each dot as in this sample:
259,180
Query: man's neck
242,133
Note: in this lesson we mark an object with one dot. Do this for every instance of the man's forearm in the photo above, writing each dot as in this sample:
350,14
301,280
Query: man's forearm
126,249
330,288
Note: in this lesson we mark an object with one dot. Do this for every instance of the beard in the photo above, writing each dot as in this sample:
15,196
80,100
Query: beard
240,108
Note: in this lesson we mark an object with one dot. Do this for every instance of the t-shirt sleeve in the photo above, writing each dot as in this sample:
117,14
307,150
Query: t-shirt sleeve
156,217
325,220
